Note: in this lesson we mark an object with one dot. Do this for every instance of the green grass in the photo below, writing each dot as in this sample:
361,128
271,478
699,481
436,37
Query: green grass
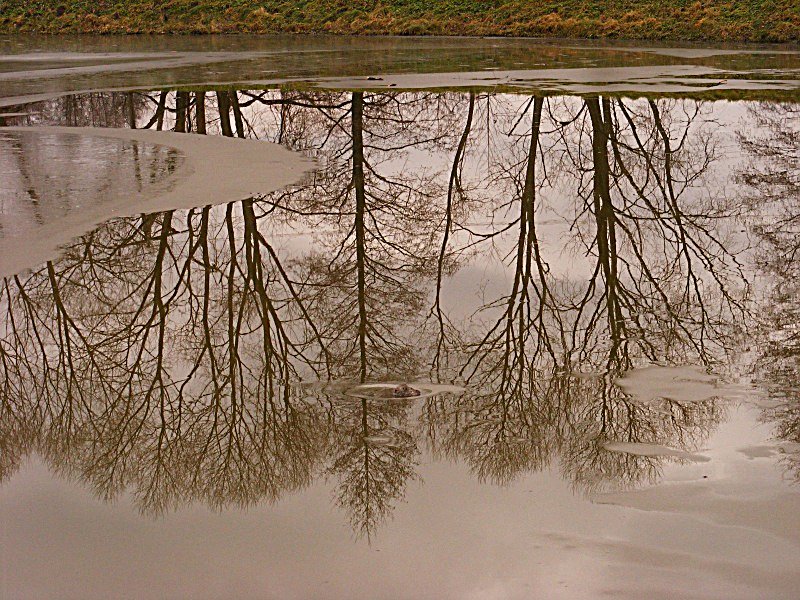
718,20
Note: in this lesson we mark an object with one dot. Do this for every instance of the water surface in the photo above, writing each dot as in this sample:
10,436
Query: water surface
593,289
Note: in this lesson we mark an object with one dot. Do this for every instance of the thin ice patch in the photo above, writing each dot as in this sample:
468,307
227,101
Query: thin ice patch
681,384
653,450
753,452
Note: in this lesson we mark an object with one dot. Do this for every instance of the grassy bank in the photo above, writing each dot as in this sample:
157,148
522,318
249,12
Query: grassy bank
719,20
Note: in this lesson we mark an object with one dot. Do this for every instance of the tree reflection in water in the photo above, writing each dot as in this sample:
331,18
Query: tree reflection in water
772,184
162,355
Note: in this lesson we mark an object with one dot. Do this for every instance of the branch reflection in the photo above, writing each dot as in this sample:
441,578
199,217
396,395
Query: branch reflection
163,356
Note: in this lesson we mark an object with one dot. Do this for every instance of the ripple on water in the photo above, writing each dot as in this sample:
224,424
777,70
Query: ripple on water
383,390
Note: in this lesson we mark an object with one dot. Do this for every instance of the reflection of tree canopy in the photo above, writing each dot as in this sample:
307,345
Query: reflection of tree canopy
648,192
147,321
374,460
664,283
564,423
772,183
374,216
161,354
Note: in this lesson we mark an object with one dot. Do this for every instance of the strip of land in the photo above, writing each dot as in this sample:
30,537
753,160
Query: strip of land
708,20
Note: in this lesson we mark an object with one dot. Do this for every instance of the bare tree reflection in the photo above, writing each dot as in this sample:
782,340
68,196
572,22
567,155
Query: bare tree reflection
161,355
375,458
771,177
661,288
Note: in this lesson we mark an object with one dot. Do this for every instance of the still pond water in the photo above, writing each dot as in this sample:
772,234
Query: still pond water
222,259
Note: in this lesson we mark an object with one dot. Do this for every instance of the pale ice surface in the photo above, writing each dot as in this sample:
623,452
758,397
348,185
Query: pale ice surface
732,493
211,170
753,452
653,450
453,538
682,384
52,177
665,79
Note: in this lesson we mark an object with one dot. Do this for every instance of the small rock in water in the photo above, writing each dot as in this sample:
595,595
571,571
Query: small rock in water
405,391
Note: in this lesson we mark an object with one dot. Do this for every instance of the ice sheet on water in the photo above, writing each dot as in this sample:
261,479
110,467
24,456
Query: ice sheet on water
682,384
753,452
640,449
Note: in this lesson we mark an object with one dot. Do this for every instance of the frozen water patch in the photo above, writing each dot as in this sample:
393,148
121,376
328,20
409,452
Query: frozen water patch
214,170
653,450
378,440
766,508
681,384
753,452
387,391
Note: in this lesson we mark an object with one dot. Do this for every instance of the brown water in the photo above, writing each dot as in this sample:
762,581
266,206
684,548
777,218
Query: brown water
594,294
